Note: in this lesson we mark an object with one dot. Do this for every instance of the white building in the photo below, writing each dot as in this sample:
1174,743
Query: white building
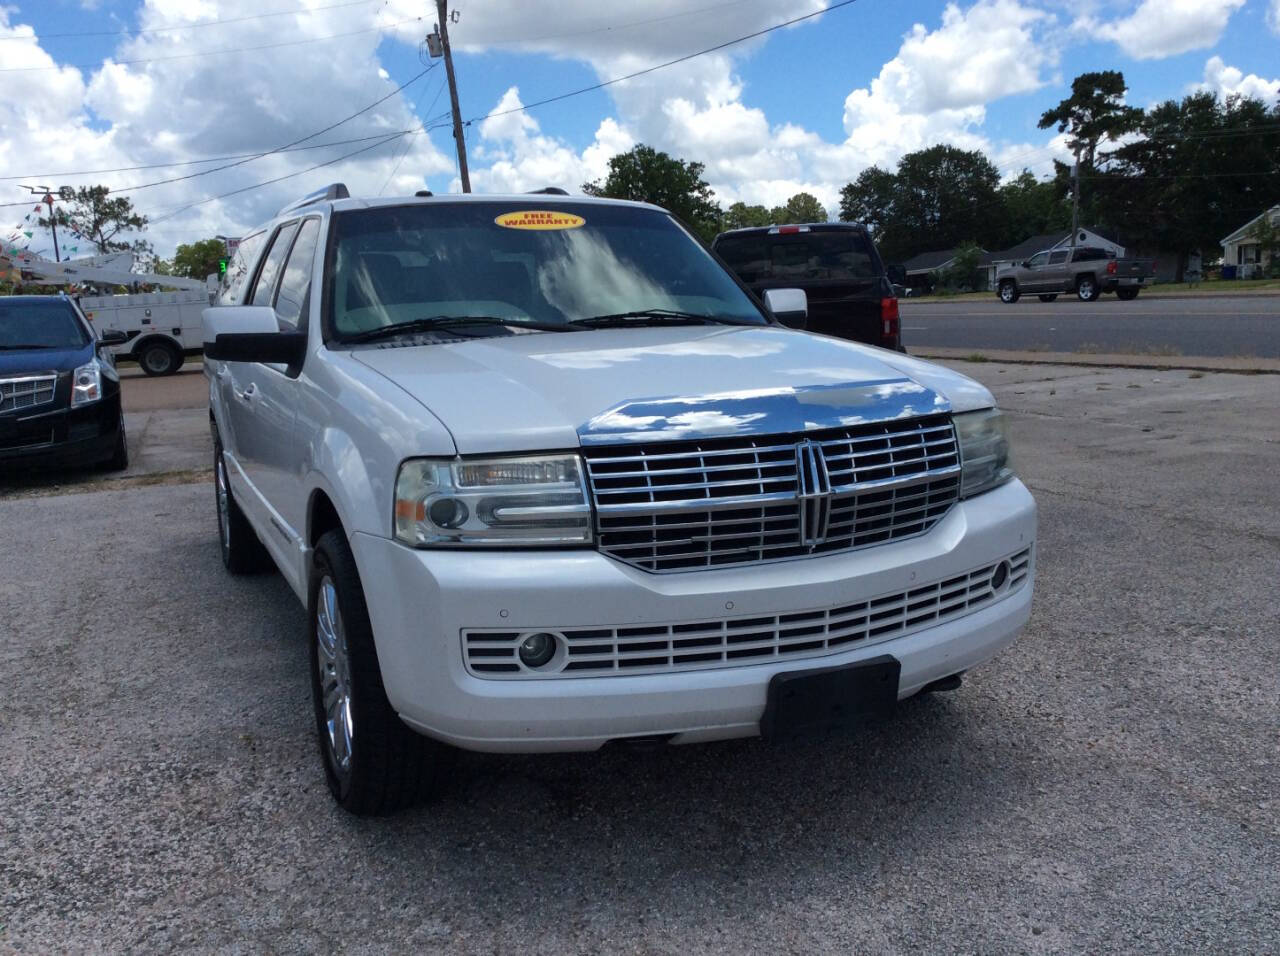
1242,250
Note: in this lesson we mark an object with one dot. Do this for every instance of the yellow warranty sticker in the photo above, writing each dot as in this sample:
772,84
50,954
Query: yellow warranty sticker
539,219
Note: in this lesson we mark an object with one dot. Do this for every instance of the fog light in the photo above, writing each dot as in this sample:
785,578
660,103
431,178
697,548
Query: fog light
536,650
447,513
1000,575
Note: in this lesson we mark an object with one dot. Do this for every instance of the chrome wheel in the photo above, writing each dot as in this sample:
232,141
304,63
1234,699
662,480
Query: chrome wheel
1006,292
1086,290
224,502
334,667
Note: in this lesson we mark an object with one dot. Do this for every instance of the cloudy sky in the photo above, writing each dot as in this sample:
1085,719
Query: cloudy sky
197,90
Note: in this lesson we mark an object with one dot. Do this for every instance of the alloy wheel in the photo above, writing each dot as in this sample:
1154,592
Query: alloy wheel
334,665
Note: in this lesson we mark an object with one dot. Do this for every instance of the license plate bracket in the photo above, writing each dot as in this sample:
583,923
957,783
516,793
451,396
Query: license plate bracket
805,703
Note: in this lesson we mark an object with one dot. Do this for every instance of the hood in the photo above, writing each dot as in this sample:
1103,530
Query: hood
560,390
31,361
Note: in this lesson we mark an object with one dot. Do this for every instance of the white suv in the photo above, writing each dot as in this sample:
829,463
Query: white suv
547,476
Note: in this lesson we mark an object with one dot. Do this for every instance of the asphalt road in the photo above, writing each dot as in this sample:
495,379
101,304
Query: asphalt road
1148,325
1107,785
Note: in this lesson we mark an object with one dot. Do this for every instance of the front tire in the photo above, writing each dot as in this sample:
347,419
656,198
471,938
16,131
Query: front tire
1049,298
374,764
1126,295
1008,291
1087,289
159,358
119,458
242,552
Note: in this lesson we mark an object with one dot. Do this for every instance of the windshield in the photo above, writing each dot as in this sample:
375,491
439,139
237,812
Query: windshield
40,324
521,263
841,254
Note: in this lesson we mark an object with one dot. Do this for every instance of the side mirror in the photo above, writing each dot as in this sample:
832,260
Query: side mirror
112,337
250,333
789,306
897,273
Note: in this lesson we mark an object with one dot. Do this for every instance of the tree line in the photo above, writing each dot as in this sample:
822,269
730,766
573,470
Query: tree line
1176,178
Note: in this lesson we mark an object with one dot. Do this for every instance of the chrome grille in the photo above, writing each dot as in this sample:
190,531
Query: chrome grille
28,391
688,505
699,645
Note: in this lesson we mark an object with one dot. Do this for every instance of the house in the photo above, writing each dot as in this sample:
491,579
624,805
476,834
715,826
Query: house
1024,250
1242,249
920,268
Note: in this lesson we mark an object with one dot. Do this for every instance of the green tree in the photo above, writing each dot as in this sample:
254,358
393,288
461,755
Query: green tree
802,207
937,198
1031,207
101,218
197,260
1094,111
964,272
869,199
647,175
1201,167
740,216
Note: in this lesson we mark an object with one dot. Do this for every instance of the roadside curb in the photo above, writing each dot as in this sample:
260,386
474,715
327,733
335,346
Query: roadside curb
1191,363
951,300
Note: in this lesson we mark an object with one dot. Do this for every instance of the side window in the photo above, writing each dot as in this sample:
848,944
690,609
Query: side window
235,283
271,265
1038,259
291,299
1058,258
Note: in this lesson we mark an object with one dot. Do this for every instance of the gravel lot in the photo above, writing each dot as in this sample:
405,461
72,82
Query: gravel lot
1108,784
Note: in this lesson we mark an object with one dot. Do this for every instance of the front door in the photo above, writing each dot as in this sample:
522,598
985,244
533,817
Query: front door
1034,275
261,418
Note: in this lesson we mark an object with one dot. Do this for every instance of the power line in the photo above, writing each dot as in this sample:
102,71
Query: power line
244,189
38,37
408,145
206,172
200,53
662,66
196,162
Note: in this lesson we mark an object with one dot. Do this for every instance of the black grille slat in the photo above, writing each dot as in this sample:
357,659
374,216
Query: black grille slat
682,506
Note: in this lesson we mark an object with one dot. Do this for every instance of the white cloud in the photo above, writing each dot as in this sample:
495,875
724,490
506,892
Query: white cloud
514,156
1227,80
1163,28
177,109
937,88
1273,17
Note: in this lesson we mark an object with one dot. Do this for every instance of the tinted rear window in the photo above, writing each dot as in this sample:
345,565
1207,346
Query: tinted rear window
835,254
49,324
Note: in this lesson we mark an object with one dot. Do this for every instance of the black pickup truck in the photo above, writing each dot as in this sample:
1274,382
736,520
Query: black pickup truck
836,264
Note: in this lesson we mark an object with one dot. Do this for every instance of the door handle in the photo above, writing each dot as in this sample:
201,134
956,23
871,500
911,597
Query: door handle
247,394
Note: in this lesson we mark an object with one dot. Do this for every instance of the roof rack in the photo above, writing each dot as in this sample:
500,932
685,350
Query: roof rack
549,191
332,191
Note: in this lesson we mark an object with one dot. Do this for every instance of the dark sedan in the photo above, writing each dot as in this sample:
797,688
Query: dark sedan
59,389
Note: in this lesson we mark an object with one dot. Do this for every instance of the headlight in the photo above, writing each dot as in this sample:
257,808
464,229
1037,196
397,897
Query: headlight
496,502
86,384
984,451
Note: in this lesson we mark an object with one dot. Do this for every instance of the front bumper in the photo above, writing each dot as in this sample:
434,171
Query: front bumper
61,436
420,602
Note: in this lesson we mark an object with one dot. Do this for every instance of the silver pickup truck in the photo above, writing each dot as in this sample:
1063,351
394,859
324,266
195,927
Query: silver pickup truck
1087,271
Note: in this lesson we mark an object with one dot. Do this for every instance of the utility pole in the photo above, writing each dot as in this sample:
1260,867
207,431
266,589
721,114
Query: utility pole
1075,201
443,28
46,195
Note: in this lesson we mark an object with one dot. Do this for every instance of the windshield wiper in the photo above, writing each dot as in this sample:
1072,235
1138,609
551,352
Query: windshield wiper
24,345
655,317
449,323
